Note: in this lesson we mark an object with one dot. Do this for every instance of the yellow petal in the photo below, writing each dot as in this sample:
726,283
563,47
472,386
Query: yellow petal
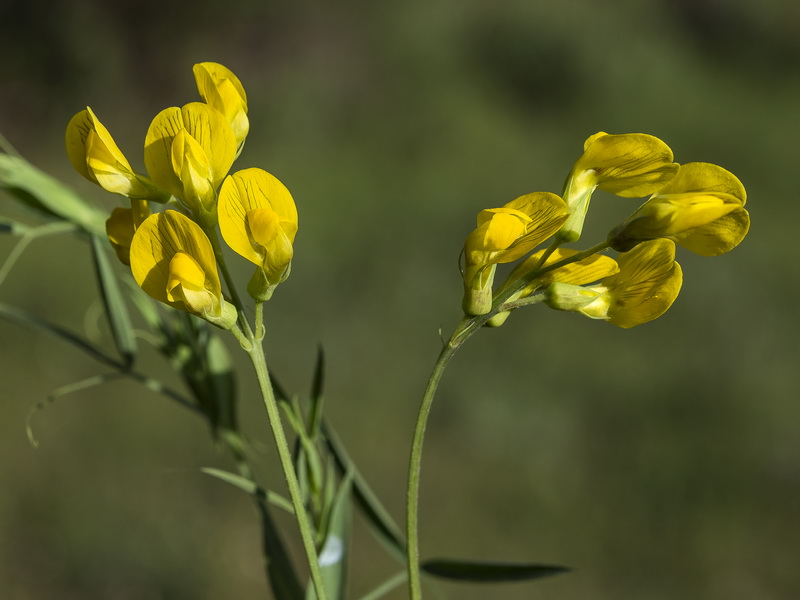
718,237
503,227
248,190
223,91
158,149
120,228
701,209
206,126
698,177
546,213
78,130
155,244
630,165
581,272
191,165
187,286
647,284
265,228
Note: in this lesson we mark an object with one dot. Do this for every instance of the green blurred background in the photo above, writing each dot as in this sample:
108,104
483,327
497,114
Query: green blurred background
661,462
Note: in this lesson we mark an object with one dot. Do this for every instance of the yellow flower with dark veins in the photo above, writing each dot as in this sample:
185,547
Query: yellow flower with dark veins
189,151
629,165
646,285
504,235
223,91
96,156
173,261
702,209
258,220
581,272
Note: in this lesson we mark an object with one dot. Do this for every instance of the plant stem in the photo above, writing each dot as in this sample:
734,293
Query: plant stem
462,333
259,363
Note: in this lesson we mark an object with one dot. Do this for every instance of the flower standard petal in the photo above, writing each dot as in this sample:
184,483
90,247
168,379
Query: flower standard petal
205,126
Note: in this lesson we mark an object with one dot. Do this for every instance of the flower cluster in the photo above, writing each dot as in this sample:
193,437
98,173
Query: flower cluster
699,206
188,153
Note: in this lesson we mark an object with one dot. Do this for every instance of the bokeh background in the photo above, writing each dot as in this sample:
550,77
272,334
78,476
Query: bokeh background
661,462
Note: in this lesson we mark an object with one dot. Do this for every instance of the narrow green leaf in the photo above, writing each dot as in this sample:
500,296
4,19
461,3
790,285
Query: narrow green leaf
280,571
367,501
334,556
114,301
315,413
223,381
489,572
36,189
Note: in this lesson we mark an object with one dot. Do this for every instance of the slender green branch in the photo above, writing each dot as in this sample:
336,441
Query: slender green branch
260,331
259,363
463,332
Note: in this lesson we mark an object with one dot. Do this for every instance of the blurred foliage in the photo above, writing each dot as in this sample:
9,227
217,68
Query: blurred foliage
661,462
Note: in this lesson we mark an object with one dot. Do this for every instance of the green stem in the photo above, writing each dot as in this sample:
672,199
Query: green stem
463,332
259,363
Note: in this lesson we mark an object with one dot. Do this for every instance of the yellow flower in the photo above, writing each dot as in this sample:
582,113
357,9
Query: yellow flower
95,155
223,91
630,165
258,220
581,272
646,285
189,151
702,209
503,235
173,261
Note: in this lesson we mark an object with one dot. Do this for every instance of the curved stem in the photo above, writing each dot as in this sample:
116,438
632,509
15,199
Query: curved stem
461,334
256,354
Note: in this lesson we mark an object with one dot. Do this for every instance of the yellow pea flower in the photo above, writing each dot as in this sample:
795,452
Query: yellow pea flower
646,285
189,151
630,165
702,209
503,235
95,155
173,261
581,272
223,91
258,220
